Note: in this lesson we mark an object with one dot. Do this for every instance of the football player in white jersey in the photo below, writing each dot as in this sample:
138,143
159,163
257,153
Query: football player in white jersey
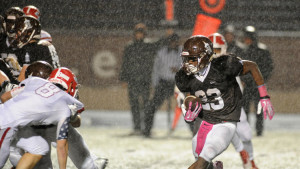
36,94
242,139
78,150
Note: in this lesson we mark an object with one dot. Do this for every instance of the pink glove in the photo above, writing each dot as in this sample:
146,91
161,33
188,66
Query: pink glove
265,103
189,114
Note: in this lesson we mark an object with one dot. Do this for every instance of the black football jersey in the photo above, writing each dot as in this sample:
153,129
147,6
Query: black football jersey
42,50
5,52
217,87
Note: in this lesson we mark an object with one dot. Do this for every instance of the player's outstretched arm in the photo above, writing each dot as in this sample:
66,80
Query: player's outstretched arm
265,103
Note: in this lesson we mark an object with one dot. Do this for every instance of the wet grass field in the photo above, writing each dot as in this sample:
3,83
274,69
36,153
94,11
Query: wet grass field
274,150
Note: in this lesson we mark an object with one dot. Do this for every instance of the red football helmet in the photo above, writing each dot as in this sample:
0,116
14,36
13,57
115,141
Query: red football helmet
65,78
196,53
219,43
32,11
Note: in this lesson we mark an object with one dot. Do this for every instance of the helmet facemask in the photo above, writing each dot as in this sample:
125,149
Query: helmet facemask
27,29
196,54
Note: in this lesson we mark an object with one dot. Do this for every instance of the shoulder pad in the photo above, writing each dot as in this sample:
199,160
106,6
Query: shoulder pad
44,43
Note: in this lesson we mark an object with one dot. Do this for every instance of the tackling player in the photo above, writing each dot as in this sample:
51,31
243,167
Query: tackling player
213,80
36,94
78,150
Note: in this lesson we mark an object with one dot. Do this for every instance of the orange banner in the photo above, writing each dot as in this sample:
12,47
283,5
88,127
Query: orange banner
206,25
169,10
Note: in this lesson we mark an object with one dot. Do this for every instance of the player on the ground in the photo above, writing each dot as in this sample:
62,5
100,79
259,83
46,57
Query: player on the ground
244,132
36,94
213,80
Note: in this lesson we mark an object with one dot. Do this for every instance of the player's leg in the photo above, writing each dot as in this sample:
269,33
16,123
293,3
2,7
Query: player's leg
80,154
244,132
35,147
6,135
211,140
28,161
239,147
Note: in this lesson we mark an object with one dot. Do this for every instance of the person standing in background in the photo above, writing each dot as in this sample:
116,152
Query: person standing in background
233,46
136,70
258,53
166,64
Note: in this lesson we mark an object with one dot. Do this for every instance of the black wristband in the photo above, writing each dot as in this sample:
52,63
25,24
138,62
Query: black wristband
265,97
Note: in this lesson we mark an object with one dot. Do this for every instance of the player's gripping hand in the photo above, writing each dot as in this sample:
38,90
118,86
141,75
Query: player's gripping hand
13,63
265,104
75,112
191,108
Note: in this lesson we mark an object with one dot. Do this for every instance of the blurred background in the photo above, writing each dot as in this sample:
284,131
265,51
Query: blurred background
90,36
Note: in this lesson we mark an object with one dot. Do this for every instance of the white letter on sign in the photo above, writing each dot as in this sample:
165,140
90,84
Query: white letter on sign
104,63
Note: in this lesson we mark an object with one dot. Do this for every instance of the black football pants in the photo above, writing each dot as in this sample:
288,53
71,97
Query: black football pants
163,91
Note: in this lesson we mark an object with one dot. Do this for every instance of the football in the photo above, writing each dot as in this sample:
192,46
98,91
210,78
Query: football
192,99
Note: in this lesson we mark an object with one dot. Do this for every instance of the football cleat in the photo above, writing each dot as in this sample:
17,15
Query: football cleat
102,162
218,165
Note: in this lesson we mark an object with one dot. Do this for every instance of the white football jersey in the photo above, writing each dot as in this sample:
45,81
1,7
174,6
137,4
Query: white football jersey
40,103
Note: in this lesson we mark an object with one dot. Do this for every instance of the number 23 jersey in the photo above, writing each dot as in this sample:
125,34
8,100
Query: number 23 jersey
217,87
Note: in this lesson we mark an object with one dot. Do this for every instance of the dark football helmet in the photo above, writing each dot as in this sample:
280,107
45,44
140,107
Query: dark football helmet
27,28
196,53
40,69
10,17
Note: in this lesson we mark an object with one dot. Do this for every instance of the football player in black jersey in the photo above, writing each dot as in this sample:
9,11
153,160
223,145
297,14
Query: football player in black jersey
30,47
214,81
8,61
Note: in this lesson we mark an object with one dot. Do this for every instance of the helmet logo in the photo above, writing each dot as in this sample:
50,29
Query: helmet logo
207,47
195,48
27,24
185,53
63,76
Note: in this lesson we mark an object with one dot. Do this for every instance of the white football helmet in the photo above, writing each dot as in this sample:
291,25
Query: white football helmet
219,44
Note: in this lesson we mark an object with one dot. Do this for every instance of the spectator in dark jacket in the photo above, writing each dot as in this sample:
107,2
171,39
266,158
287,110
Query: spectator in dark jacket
258,53
136,73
